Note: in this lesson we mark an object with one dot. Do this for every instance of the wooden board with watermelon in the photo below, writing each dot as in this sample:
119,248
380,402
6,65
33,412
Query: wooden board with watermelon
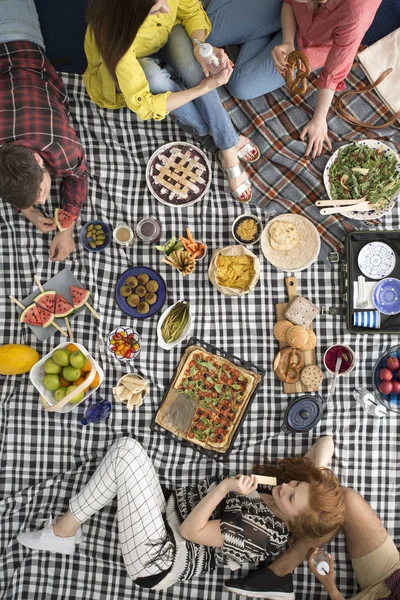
63,296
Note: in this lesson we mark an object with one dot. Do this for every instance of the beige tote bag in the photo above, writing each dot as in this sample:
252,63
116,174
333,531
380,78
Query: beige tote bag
381,63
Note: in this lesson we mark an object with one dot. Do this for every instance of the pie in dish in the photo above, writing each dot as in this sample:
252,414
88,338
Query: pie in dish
178,174
220,391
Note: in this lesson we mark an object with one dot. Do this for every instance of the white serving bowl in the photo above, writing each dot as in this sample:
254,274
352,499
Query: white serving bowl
350,351
185,332
37,373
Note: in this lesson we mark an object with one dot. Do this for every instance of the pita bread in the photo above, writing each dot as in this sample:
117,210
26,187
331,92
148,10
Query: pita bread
303,254
283,235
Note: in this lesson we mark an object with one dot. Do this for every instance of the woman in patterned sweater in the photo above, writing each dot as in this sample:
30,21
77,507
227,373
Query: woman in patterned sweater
221,520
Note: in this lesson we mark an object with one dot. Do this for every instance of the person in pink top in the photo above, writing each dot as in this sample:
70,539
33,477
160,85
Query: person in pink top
329,32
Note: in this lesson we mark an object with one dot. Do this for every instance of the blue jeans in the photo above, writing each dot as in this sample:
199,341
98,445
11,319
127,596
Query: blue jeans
19,21
204,114
256,26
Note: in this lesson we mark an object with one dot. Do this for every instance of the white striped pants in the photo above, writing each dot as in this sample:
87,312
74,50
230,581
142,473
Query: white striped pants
128,473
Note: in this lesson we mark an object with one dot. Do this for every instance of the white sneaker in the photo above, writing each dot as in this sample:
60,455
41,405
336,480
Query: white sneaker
46,539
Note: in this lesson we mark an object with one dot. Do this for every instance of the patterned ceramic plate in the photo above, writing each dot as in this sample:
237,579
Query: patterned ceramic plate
376,260
386,296
371,214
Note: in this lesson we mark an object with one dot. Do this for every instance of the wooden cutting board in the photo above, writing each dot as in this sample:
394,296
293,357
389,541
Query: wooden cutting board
309,355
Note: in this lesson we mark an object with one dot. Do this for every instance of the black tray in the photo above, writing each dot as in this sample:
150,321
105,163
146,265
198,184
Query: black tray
236,361
350,270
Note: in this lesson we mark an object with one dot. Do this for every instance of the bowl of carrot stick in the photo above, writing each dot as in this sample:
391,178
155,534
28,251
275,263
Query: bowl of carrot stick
197,249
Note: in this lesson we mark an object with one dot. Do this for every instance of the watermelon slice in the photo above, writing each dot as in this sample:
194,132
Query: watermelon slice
35,315
47,300
63,308
79,296
45,316
63,219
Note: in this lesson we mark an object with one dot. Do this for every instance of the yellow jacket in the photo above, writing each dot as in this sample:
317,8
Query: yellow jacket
132,82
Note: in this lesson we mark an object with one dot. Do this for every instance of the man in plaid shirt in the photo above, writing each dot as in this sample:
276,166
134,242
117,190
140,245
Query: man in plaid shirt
36,138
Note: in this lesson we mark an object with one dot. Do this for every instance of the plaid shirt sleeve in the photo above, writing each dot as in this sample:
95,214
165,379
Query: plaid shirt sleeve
68,161
34,112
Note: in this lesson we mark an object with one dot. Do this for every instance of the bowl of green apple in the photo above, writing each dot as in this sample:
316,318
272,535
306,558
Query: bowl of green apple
67,371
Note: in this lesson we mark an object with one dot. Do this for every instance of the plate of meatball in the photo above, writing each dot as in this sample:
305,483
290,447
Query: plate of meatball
140,292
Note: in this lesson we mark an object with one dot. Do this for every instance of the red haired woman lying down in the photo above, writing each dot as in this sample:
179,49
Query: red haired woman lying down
221,520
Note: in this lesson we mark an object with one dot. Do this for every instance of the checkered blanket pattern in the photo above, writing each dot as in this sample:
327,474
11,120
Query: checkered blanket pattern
284,179
45,458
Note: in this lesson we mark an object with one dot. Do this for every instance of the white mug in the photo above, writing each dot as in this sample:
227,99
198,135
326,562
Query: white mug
129,240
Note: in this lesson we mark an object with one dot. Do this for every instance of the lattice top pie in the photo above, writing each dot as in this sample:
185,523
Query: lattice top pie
178,174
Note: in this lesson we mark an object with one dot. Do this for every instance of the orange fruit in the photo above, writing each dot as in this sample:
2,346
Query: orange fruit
72,347
79,381
96,381
64,382
87,366
86,390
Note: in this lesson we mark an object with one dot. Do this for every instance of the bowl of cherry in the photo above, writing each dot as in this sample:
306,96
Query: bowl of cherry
386,379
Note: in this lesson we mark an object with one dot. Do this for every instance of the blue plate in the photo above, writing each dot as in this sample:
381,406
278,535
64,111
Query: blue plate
161,293
386,296
85,242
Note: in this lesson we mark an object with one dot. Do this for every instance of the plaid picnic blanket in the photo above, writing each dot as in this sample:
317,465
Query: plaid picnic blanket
283,179
45,458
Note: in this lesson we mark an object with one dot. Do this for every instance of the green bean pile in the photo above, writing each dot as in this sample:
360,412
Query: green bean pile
175,322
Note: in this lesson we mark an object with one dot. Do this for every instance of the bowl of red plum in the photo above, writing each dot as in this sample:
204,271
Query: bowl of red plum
386,378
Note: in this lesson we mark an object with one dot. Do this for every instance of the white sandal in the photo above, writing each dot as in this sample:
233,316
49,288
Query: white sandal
239,193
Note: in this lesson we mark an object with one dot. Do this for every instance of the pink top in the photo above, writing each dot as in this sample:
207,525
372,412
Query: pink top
330,37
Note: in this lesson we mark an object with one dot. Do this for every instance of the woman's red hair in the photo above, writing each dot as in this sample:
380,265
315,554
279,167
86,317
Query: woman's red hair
326,512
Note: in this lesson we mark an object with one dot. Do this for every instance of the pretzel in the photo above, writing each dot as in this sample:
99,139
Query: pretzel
297,83
287,365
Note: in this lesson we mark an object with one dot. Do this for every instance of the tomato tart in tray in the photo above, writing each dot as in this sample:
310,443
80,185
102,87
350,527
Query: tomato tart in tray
208,398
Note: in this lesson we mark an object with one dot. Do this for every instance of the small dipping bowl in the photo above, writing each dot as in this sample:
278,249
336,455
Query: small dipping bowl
336,351
204,253
123,333
85,240
236,224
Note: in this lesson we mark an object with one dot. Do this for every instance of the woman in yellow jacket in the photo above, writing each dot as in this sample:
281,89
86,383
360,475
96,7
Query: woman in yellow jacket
129,42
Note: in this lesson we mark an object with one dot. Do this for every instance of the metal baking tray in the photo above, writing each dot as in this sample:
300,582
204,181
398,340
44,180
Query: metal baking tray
219,456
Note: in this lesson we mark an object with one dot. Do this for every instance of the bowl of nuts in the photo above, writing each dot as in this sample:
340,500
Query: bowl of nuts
95,236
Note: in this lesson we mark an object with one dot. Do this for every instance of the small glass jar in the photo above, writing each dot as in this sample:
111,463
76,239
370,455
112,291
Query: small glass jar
149,230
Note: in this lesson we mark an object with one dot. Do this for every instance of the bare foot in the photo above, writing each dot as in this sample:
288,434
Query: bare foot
242,143
230,159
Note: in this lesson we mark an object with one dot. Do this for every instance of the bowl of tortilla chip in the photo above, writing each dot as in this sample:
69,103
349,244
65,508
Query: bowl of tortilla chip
234,270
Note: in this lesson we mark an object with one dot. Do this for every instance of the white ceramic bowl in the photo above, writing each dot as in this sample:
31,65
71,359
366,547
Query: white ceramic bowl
185,332
37,373
371,214
350,350
127,331
205,251
121,379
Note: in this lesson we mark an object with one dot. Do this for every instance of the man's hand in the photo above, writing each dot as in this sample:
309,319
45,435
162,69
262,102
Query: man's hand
62,245
279,54
44,224
316,131
219,53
